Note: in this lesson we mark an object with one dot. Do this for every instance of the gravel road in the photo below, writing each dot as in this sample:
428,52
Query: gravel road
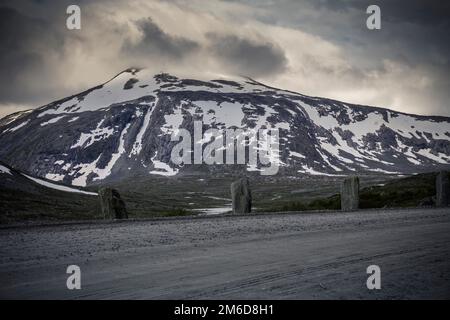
276,256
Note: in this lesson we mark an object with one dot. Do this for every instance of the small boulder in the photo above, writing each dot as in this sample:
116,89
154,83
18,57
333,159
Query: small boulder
113,207
241,196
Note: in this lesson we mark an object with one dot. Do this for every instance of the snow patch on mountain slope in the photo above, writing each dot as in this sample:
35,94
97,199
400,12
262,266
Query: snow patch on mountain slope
52,120
173,120
311,171
83,170
23,124
87,139
411,155
327,160
382,171
58,187
73,119
403,125
406,151
427,153
261,120
54,176
4,169
407,126
137,146
102,173
226,113
296,154
163,169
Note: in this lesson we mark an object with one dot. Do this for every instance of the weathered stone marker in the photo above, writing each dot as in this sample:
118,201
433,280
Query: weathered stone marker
112,205
350,194
241,196
442,189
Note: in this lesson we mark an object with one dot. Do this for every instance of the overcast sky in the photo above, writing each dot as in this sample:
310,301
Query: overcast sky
315,47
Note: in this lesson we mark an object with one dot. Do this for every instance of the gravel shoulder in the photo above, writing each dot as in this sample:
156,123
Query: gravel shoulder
286,256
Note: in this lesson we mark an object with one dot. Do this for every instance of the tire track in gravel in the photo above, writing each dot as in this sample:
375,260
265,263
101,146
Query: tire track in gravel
287,256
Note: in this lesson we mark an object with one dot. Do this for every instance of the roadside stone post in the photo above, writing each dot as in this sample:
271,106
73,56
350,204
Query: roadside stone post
350,194
442,189
241,196
113,207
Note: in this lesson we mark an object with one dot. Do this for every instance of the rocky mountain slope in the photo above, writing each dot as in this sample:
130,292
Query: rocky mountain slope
123,128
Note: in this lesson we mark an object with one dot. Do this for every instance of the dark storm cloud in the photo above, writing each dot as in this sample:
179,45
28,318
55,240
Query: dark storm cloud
317,47
247,57
418,26
419,30
22,53
240,55
415,35
155,41
432,12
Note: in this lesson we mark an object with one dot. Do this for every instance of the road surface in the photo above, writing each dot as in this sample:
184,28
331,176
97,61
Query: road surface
276,256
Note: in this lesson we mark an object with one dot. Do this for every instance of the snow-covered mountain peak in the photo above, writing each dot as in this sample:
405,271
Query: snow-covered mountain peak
123,127
134,83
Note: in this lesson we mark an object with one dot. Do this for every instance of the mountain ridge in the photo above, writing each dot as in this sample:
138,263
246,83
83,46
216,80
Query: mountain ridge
123,127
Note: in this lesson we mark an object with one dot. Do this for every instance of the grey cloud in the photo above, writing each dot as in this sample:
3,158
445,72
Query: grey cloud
415,29
41,60
414,33
20,54
433,12
247,57
155,41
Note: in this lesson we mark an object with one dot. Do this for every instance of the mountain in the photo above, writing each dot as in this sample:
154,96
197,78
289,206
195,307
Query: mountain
122,128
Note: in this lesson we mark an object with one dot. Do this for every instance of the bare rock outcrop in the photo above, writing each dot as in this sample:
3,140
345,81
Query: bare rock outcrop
113,207
241,196
442,189
350,194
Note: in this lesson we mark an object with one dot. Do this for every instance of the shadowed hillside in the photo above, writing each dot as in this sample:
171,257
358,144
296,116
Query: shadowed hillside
22,199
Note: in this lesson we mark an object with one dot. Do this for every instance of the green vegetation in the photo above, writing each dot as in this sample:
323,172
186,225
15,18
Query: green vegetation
330,203
185,195
406,192
411,191
47,204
